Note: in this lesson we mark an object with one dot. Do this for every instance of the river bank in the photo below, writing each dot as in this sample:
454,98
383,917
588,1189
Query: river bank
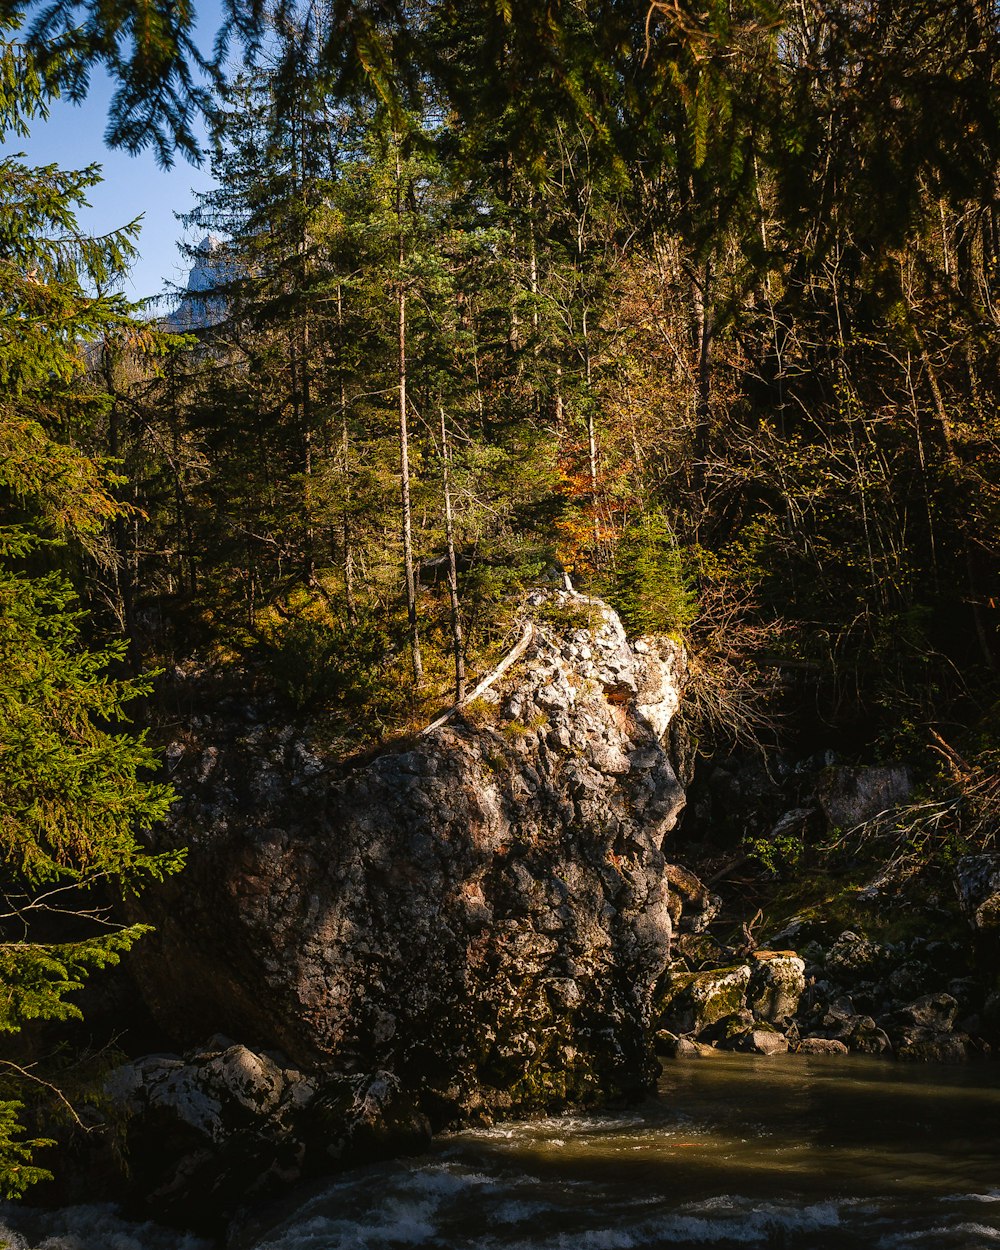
823,1152
486,922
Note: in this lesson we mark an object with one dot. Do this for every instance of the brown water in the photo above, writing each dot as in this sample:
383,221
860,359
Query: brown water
736,1151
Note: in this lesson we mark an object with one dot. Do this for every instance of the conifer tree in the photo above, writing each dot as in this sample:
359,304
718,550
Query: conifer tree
74,798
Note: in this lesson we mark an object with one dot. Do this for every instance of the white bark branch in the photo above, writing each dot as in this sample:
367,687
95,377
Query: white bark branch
510,658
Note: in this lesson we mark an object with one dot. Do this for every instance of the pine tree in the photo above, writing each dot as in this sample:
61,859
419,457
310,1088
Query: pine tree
74,798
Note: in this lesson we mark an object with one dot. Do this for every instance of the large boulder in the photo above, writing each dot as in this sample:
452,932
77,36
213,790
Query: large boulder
481,912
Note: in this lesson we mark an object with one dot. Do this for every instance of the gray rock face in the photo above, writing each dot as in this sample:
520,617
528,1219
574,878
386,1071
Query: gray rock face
977,879
203,303
850,796
210,1131
482,913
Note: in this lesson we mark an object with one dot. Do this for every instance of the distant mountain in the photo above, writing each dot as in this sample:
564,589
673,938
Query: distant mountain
203,303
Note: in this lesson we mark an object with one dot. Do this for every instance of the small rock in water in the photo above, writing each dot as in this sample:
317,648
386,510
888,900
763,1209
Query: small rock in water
696,1000
821,1046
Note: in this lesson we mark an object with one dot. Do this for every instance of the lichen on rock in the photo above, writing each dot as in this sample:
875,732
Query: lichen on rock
690,1002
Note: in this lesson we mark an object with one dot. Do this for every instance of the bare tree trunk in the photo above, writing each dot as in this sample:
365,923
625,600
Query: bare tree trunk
924,477
121,569
955,472
533,282
449,530
404,481
591,435
345,519
404,447
299,347
704,332
307,456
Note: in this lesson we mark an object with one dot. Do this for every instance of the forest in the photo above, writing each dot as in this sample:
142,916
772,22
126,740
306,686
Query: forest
696,304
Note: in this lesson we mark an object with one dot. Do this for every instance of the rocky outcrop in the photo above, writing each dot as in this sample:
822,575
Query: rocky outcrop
203,303
911,1000
206,1133
481,913
740,1006
882,930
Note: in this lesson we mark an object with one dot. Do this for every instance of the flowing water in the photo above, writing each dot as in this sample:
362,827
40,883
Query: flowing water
741,1151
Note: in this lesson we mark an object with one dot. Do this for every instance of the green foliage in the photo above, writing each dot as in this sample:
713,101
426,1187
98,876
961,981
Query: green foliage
75,800
18,1172
651,590
70,792
147,48
322,667
37,977
779,854
566,615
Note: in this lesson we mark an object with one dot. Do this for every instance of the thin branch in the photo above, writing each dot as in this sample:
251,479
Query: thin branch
27,1075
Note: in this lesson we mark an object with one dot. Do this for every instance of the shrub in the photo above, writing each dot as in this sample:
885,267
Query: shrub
317,665
651,591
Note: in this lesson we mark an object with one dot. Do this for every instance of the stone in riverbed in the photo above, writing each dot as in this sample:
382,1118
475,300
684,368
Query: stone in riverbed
858,1032
728,1029
924,1031
927,1046
838,1021
932,1011
776,985
820,1046
865,1037
672,1047
692,1001
204,1134
762,1039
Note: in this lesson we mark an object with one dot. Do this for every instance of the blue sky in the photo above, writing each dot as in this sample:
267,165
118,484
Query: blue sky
133,185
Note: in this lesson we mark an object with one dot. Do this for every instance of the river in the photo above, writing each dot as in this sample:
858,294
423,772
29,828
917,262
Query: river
797,1153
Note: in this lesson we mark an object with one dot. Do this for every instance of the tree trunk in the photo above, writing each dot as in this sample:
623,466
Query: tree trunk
954,465
449,530
704,338
345,517
404,448
591,436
